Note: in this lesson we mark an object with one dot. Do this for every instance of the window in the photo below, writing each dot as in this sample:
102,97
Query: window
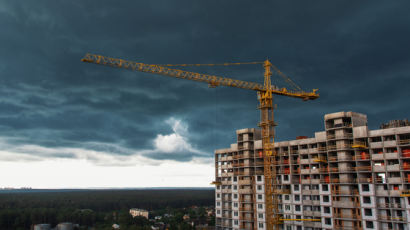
325,198
287,207
235,196
218,195
259,187
260,225
369,224
296,187
325,187
235,178
297,208
235,222
218,211
259,178
297,197
286,177
259,197
365,187
260,206
367,200
235,213
367,212
235,205
299,228
328,221
327,210
286,197
288,227
260,215
235,187
218,203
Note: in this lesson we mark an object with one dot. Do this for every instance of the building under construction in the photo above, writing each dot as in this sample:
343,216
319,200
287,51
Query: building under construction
346,177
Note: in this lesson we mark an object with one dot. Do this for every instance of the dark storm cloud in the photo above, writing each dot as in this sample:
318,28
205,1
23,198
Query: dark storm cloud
356,53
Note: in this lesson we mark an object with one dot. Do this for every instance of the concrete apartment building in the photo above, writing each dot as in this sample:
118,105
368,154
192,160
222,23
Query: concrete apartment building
347,176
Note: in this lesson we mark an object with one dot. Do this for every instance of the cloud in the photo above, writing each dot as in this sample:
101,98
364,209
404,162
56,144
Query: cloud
176,141
54,106
171,147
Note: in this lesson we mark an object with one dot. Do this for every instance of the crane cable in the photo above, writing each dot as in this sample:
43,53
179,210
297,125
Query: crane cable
280,73
220,64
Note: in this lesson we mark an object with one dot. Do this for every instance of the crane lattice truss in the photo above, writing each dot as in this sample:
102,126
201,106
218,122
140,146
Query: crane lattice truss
265,94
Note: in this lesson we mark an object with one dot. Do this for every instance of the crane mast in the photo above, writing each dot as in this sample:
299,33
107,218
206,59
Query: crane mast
267,125
265,94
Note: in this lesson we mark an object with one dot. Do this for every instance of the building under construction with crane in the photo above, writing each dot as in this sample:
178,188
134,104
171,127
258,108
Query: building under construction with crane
345,177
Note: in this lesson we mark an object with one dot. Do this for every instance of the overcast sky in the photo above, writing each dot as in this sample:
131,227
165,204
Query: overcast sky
65,123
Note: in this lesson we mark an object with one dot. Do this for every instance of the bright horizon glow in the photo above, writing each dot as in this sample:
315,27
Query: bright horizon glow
56,174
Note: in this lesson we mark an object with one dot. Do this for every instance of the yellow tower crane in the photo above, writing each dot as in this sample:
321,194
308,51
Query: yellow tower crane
265,96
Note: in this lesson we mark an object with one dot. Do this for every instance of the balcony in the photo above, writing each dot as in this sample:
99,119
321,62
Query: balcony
246,209
389,205
346,216
344,136
228,174
389,143
331,136
305,171
331,147
362,156
334,169
382,192
304,161
332,159
364,180
245,191
313,150
346,192
303,151
247,200
395,192
391,218
312,224
322,149
245,182
392,155
315,181
394,180
404,142
375,145
226,182
345,204
307,202
307,213
395,167
365,168
379,168
377,156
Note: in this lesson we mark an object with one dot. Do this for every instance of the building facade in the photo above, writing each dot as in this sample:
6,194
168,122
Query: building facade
345,177
139,212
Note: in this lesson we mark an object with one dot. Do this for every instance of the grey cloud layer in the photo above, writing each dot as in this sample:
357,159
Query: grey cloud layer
356,54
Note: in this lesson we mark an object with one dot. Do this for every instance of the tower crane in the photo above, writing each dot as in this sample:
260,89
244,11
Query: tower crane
265,94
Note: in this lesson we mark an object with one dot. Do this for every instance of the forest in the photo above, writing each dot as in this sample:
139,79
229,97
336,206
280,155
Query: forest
99,209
